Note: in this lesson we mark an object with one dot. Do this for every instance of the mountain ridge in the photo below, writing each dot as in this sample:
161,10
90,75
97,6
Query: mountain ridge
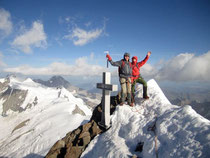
181,132
91,99
34,130
130,127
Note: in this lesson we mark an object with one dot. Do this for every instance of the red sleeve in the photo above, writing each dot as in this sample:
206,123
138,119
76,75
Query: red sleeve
140,64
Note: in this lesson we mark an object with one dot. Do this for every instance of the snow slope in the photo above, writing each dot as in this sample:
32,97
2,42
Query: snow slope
181,132
32,132
2,80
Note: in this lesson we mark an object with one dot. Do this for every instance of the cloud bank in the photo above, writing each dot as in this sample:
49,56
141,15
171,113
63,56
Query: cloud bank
183,67
34,37
81,68
5,23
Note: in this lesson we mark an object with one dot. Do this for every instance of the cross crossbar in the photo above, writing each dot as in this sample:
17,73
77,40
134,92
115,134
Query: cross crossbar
107,87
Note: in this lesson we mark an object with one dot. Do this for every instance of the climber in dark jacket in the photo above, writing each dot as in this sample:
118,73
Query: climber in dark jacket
136,77
125,73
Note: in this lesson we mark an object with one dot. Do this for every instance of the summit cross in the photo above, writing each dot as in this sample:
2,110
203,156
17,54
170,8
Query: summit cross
106,87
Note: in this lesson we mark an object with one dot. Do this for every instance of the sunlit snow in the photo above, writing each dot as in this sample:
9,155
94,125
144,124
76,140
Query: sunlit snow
46,122
181,132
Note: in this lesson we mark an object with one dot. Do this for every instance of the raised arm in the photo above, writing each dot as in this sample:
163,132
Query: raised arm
116,63
145,60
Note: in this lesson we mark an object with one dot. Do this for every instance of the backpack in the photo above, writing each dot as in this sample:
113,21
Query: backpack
123,64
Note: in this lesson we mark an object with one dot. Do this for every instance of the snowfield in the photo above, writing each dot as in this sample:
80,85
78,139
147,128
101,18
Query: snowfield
181,132
32,132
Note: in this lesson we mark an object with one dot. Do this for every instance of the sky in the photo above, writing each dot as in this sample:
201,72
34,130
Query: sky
65,37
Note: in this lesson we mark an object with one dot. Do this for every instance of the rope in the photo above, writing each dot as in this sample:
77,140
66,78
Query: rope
134,109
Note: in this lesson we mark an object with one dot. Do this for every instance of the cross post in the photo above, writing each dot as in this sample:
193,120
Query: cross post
106,87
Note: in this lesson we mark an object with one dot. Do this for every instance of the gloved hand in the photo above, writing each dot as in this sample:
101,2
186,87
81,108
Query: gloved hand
108,56
149,53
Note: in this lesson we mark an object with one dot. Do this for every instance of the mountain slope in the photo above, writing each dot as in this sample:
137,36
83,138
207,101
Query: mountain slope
181,132
51,114
91,99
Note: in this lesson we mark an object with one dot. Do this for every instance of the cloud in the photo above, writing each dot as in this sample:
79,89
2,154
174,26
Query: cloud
148,71
2,64
197,68
5,23
171,69
34,37
81,37
66,20
80,68
183,67
76,32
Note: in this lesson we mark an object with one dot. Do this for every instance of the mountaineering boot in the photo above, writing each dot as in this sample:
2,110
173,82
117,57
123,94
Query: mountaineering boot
131,104
129,99
145,93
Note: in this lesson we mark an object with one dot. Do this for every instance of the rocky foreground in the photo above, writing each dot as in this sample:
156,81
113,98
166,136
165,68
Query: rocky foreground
75,142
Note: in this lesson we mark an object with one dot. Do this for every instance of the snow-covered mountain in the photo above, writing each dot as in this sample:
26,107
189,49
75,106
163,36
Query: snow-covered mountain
57,81
91,99
180,131
33,117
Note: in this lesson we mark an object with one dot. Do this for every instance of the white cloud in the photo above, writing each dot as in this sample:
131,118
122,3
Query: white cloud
171,69
2,64
81,37
67,19
198,68
183,67
148,71
80,68
34,37
5,23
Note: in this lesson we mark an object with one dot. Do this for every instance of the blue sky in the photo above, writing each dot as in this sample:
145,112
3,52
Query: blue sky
64,37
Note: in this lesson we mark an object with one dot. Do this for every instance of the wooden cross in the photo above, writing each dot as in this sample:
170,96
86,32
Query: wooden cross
106,88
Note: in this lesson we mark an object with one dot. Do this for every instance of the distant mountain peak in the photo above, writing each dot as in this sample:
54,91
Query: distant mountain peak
54,81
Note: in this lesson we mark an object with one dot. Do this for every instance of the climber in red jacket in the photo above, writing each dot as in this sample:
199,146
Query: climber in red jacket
136,77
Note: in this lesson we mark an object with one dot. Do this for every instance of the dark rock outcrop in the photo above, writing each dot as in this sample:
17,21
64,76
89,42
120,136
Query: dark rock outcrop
75,142
14,98
77,110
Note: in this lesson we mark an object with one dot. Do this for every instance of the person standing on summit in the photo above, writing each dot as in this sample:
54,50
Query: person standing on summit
136,77
125,72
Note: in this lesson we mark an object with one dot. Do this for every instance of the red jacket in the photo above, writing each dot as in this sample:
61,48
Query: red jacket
136,67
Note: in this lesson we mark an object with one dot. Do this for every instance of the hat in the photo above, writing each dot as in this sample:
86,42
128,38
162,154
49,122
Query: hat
135,57
126,54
